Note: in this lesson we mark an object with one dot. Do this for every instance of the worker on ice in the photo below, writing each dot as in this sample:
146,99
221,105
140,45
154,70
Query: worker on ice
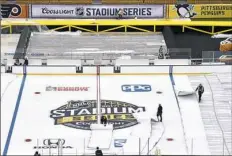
200,89
37,154
26,61
104,120
98,152
159,113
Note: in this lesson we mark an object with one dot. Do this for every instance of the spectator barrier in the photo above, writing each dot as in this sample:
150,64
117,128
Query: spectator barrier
136,70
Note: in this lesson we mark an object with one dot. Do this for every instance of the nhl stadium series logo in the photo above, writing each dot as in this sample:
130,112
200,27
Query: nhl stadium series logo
79,11
81,114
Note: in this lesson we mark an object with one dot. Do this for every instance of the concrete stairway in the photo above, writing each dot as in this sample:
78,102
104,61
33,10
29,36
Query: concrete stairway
216,113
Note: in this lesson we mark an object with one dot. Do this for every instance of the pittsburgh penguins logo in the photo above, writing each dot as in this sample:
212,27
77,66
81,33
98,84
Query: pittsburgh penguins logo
185,10
10,10
80,11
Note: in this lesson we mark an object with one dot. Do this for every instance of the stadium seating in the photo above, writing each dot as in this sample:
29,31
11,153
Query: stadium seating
122,1
117,1
209,1
138,1
160,1
50,1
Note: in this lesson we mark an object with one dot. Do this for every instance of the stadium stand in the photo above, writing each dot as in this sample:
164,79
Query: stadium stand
209,1
138,1
122,2
49,1
160,1
117,1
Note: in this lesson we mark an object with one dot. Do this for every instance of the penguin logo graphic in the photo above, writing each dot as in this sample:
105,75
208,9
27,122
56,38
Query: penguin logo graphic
185,10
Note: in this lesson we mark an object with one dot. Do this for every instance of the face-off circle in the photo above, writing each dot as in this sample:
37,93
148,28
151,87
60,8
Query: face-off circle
28,140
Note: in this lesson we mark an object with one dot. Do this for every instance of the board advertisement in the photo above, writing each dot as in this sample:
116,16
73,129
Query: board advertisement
97,11
14,11
200,11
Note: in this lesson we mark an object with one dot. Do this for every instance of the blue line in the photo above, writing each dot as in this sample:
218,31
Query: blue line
15,112
171,75
173,83
177,101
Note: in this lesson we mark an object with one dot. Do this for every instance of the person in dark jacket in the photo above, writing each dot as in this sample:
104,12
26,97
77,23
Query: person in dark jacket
161,53
98,152
104,120
159,113
200,90
36,153
25,61
120,13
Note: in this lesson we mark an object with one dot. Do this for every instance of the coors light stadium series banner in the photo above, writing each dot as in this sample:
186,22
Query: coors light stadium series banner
96,11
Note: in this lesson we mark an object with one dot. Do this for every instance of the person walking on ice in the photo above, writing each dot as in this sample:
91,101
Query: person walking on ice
98,152
200,90
159,113
104,120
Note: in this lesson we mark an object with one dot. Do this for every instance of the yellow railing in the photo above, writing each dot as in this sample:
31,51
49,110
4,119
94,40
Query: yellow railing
124,25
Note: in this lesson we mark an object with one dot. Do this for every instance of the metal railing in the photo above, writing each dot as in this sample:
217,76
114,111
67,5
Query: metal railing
214,56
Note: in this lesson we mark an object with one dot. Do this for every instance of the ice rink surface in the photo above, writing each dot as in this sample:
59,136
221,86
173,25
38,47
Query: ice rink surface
34,123
10,85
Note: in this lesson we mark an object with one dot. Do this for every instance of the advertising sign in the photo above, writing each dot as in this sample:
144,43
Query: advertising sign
14,11
53,144
200,11
81,114
136,88
66,88
96,11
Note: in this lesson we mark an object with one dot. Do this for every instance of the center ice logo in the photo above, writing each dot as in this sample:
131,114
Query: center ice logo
81,114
